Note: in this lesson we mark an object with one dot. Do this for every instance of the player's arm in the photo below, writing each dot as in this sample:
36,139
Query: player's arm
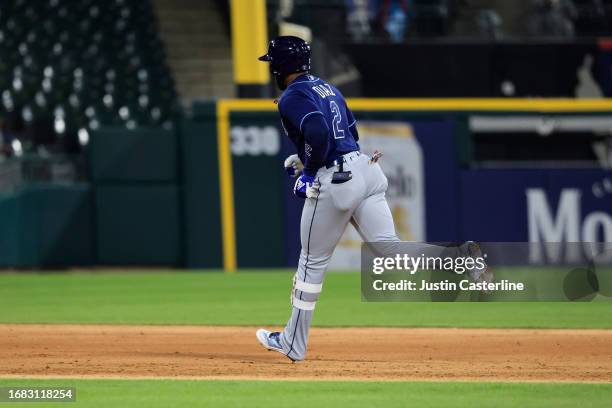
352,123
316,134
304,115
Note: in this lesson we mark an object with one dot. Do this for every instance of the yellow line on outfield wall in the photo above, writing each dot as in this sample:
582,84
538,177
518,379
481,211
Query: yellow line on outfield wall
226,106
226,187
479,104
452,104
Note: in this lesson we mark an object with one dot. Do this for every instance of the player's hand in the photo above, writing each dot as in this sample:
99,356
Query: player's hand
306,187
293,165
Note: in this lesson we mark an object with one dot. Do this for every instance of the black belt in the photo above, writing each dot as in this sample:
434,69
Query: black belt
340,159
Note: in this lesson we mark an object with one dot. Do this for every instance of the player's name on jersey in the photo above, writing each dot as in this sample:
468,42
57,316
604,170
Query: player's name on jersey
324,90
442,286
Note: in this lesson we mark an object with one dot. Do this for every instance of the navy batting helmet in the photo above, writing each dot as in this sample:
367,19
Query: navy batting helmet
286,55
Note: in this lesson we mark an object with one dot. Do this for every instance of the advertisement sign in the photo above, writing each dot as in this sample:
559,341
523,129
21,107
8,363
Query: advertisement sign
539,206
402,163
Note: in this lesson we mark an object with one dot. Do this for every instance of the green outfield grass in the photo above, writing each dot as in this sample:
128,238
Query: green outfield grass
252,394
254,298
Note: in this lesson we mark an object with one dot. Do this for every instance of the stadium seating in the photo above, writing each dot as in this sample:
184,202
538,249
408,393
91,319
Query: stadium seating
432,17
81,65
590,19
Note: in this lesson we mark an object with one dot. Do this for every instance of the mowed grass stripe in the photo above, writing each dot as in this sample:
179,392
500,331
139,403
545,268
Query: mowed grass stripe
181,393
254,298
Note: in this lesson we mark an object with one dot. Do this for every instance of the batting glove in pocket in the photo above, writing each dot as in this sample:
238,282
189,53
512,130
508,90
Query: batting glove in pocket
306,187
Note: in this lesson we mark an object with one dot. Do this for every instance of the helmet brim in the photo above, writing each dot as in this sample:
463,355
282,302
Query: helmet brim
265,58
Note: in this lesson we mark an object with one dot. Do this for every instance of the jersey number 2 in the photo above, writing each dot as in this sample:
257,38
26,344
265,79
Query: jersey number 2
338,133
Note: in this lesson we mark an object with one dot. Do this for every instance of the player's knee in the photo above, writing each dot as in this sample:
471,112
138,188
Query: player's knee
387,236
316,265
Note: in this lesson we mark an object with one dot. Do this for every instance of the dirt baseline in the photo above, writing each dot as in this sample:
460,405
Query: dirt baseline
335,353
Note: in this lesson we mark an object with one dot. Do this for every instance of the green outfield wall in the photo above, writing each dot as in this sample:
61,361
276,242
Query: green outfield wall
257,188
47,225
200,194
134,176
211,192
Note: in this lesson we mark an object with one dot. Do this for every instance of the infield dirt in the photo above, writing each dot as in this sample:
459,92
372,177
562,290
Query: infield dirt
82,351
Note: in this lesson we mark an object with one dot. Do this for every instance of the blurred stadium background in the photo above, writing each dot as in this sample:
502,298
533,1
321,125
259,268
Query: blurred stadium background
144,132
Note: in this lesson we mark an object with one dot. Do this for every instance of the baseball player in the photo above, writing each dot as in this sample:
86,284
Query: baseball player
338,182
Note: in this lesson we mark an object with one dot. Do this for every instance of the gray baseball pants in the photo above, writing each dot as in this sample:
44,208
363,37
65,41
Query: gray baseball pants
360,201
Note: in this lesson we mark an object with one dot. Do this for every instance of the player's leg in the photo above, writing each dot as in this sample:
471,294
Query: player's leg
321,227
374,222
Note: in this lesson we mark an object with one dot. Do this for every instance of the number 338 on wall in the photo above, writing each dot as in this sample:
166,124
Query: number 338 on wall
255,140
